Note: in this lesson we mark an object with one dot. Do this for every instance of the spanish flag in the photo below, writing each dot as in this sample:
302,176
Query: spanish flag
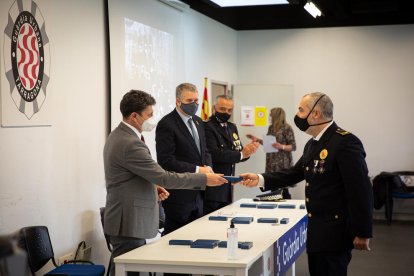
205,107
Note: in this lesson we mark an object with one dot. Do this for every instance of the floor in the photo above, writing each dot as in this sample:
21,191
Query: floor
392,253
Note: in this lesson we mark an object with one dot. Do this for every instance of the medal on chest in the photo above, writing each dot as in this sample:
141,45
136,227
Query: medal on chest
319,164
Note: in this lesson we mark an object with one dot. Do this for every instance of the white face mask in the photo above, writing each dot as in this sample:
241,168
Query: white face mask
149,124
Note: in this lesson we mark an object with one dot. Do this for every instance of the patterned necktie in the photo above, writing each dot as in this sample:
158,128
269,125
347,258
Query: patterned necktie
195,134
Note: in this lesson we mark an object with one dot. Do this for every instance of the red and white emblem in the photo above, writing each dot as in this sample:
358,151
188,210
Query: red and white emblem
26,56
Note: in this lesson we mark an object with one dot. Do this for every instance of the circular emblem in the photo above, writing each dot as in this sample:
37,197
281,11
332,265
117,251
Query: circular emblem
26,57
235,136
260,114
323,154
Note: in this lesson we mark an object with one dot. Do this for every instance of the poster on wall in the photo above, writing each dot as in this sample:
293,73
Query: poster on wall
25,70
247,116
260,118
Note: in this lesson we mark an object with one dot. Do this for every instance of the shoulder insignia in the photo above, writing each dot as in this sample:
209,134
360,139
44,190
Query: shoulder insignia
342,132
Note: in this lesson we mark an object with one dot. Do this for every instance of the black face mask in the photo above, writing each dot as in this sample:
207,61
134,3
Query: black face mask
302,123
189,109
222,117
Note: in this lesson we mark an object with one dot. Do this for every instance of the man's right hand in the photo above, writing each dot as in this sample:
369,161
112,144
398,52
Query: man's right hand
249,179
214,179
249,149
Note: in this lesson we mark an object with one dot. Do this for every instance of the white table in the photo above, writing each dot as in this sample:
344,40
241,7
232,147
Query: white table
162,257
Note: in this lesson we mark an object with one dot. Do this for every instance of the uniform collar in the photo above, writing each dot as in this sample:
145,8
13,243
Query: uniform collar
318,137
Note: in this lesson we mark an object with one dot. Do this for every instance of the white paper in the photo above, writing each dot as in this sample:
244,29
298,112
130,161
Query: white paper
268,141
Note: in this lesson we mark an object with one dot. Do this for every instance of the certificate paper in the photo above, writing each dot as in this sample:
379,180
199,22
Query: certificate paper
247,115
268,141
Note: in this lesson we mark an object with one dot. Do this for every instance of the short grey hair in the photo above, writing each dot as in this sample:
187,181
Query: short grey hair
224,96
324,103
185,87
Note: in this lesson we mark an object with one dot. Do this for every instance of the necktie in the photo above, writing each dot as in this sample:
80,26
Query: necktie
142,138
195,134
227,130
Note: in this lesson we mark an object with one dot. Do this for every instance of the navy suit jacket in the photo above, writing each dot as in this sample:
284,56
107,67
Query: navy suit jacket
177,151
225,154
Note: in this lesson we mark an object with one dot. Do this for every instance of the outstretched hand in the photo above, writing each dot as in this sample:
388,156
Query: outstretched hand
214,179
249,179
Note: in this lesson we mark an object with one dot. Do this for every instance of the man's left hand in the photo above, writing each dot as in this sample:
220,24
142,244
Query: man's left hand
163,194
361,244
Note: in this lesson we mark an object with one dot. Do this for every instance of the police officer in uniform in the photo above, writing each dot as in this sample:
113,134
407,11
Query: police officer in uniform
226,149
338,191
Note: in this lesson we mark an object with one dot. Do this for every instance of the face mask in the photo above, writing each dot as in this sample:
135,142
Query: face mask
149,124
189,109
222,117
302,123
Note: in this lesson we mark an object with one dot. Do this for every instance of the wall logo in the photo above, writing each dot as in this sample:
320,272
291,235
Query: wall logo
26,56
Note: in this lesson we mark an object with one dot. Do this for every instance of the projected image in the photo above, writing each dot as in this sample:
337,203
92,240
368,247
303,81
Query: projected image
150,63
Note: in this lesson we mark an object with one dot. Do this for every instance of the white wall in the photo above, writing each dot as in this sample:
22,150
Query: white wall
210,51
367,71
53,176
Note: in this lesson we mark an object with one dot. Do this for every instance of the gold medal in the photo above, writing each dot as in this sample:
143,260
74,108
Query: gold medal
323,154
235,136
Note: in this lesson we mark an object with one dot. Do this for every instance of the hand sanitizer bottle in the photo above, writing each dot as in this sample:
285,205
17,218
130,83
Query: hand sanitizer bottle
232,242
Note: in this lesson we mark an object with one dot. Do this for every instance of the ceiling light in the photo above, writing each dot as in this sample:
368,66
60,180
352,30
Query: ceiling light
312,9
236,3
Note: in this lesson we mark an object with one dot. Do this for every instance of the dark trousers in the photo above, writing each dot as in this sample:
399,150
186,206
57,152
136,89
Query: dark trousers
211,206
178,215
329,263
121,245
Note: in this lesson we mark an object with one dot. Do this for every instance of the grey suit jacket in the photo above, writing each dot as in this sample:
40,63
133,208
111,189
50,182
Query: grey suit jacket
130,174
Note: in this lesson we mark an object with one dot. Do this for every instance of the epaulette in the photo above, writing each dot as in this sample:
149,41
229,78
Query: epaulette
342,132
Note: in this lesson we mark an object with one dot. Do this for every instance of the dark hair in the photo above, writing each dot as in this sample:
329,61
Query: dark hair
135,101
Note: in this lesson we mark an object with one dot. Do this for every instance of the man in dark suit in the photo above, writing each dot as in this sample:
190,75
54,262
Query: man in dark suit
226,149
181,147
134,181
338,191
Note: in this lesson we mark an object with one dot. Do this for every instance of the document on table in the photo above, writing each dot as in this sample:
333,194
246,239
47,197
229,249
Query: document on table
268,141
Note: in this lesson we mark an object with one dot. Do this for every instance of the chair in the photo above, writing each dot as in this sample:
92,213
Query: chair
387,186
36,241
108,244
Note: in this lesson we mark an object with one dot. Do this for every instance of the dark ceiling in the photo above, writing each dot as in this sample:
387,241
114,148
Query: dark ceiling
336,13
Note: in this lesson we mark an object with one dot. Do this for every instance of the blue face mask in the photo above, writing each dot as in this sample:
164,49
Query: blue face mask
190,109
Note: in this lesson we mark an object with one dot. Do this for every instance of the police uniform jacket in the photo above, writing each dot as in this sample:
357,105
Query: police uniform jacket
224,145
337,189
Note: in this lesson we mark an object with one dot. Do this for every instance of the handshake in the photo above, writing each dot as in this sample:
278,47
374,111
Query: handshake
245,179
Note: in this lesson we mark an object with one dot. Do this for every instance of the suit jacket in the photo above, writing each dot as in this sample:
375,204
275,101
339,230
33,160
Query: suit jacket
225,151
177,151
130,174
338,191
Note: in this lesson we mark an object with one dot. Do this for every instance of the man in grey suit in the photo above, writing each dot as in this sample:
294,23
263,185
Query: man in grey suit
134,181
